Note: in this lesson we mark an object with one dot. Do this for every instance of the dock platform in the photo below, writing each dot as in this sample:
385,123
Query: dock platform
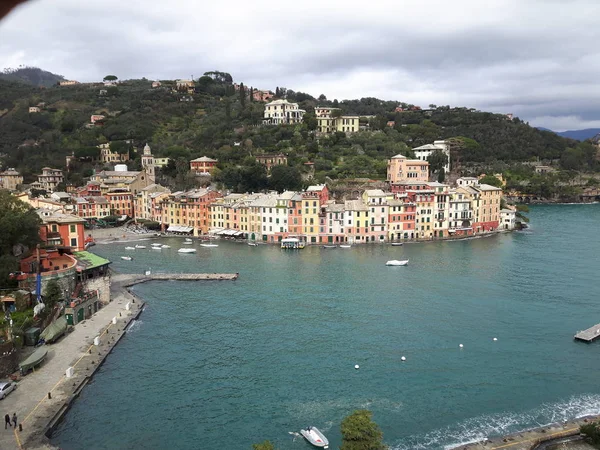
128,280
589,335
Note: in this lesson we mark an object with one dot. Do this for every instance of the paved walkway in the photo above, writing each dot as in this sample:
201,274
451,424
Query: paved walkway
31,396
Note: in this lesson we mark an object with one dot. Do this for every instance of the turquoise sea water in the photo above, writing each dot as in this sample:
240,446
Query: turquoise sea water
222,365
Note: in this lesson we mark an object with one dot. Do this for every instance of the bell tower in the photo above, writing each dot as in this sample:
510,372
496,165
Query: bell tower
148,163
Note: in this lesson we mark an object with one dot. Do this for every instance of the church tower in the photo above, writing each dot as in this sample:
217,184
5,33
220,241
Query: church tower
148,163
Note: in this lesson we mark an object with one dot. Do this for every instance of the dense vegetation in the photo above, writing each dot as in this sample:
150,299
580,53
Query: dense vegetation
217,121
31,75
359,432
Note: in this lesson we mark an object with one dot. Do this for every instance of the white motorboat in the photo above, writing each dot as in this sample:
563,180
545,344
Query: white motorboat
129,248
252,244
165,246
397,244
345,246
140,246
187,250
188,239
315,437
126,258
156,247
395,262
156,244
209,245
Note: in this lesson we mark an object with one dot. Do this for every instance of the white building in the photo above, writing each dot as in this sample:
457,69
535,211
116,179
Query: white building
508,219
282,112
424,152
467,181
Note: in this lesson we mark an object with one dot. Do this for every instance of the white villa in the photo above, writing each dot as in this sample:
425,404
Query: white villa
282,112
424,151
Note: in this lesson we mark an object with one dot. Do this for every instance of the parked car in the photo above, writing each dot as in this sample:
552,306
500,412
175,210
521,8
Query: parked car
6,387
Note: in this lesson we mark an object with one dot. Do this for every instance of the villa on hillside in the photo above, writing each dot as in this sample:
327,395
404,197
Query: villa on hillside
282,112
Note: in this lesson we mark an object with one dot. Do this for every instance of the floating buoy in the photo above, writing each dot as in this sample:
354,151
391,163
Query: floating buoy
356,366
403,358
460,345
495,339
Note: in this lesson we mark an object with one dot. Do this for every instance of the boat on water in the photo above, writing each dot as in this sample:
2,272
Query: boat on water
186,250
188,239
330,246
140,246
129,248
397,244
395,262
292,243
315,437
165,246
126,258
345,246
34,359
252,244
209,245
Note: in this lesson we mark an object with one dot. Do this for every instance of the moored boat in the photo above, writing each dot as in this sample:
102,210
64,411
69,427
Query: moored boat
252,244
330,246
209,245
315,437
397,244
129,248
292,243
140,246
186,250
345,246
165,246
395,262
126,258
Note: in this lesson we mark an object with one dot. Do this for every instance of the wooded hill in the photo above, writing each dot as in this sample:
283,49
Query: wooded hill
220,122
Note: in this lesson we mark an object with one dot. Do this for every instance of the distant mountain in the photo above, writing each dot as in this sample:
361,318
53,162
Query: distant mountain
580,135
31,75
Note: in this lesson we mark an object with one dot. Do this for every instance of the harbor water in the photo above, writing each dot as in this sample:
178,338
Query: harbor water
223,365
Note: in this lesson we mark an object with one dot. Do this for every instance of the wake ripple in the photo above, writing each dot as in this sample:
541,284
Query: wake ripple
482,427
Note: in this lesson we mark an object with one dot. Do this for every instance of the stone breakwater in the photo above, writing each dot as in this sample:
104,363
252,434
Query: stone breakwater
531,439
39,424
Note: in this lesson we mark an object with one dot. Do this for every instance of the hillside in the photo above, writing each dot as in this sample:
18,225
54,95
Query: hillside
218,123
31,75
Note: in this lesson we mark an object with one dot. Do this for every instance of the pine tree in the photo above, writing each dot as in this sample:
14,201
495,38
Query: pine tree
251,94
242,95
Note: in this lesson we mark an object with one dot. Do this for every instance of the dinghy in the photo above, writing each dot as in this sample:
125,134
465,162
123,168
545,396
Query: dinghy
165,246
330,246
315,437
126,258
397,244
129,248
209,245
187,250
395,262
345,246
252,244
140,246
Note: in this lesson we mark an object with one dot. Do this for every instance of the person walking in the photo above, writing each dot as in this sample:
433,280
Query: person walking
7,421
14,419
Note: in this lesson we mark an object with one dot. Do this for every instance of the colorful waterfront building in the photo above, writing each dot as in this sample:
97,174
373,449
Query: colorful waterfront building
377,202
356,221
460,214
61,230
441,209
402,218
147,201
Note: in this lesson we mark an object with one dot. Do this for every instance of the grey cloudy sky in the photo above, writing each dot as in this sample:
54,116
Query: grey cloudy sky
539,59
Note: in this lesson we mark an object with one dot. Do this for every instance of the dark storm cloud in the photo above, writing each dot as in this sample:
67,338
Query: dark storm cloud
536,59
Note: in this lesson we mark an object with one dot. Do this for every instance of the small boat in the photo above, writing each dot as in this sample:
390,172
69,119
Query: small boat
209,245
156,244
126,258
252,244
345,246
129,248
36,358
397,244
140,246
188,239
55,330
330,246
156,247
165,246
315,437
187,250
395,262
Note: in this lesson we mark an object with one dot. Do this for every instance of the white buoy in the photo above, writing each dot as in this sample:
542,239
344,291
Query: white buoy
495,339
356,366
460,345
403,358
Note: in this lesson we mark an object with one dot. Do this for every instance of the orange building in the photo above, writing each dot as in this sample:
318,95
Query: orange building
402,170
121,203
61,230
203,165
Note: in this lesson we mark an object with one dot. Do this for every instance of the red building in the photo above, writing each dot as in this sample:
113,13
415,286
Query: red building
203,165
61,230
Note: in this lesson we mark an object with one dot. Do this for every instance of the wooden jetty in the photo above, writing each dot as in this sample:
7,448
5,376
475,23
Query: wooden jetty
589,335
128,280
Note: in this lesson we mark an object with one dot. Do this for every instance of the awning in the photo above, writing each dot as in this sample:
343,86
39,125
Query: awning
180,229
229,233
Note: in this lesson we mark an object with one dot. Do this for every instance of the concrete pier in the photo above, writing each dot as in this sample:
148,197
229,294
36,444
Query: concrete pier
589,335
128,280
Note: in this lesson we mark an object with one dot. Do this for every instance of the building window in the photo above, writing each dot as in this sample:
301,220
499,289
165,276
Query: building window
73,242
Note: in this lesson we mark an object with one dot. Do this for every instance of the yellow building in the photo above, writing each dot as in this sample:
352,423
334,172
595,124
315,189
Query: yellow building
329,120
310,216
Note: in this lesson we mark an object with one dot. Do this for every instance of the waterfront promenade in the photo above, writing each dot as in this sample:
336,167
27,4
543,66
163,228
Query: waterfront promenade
30,401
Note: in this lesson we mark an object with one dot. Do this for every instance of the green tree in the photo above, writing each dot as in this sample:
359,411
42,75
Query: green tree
111,78
120,147
310,120
52,294
359,432
437,160
20,227
285,178
266,445
491,180
242,95
441,175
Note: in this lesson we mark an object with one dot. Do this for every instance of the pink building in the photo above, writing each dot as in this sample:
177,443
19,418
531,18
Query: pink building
401,170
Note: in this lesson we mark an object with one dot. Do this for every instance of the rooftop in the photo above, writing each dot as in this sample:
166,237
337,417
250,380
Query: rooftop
204,159
87,260
49,216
